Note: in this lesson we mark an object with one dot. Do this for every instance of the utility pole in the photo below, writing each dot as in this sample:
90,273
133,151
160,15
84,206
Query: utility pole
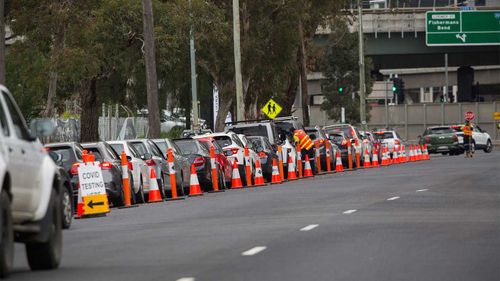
194,88
240,107
362,88
151,76
446,77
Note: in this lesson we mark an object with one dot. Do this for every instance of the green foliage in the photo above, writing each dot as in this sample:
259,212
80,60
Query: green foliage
175,133
340,67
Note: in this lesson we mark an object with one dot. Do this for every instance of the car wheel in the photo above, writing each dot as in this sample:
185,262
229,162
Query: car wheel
473,147
67,208
47,255
7,233
120,200
139,196
489,147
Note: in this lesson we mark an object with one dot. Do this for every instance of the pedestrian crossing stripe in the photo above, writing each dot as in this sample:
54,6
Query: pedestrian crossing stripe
271,109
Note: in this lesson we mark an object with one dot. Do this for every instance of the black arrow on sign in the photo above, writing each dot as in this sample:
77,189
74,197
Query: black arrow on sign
92,204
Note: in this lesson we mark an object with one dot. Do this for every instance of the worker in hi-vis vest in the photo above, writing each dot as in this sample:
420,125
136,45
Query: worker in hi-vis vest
467,129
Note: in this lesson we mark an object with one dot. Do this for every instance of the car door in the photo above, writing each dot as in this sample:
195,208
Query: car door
23,157
479,137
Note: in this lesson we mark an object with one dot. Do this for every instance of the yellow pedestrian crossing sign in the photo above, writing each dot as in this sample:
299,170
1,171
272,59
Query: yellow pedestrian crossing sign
271,109
496,115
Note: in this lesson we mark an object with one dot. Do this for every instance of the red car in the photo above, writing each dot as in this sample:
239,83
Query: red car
220,157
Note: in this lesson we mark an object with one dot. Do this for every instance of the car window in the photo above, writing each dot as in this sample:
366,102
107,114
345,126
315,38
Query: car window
162,145
345,129
223,141
237,140
384,135
66,153
187,147
441,130
337,138
175,148
397,135
3,122
111,152
117,147
133,151
205,145
140,147
257,130
155,149
20,128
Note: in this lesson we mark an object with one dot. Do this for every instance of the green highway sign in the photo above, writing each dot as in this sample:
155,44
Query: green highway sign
462,28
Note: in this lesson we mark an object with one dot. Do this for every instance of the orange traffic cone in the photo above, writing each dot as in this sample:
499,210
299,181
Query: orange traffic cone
375,158
366,162
259,178
79,207
236,179
426,152
275,178
194,184
299,161
292,174
154,191
307,168
420,155
412,153
395,156
338,163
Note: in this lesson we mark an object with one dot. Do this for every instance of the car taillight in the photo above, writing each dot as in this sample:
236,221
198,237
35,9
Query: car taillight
74,168
427,139
455,138
262,154
234,150
150,162
106,165
344,142
130,167
198,161
397,142
321,142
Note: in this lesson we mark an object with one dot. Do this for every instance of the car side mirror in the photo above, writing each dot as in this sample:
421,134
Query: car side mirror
129,158
147,156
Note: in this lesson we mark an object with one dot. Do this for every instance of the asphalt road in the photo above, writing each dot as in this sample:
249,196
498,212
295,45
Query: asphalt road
430,220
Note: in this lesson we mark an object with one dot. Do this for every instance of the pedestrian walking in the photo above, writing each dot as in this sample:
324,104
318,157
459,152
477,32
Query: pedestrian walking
467,129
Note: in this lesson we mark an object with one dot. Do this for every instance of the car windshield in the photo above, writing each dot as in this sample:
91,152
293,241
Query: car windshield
162,145
257,130
187,147
257,143
384,135
345,129
440,131
223,141
337,138
140,147
117,147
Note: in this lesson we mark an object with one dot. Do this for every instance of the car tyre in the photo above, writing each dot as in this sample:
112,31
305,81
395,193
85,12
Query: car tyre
67,208
47,255
120,200
489,147
7,235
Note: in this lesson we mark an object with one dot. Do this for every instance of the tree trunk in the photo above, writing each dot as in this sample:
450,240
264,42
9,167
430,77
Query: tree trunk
151,78
89,120
49,109
2,42
290,94
224,106
302,60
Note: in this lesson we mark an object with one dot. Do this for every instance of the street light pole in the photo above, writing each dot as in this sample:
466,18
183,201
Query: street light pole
362,88
237,61
194,88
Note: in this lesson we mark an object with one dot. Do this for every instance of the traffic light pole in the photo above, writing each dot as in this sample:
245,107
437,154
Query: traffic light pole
362,88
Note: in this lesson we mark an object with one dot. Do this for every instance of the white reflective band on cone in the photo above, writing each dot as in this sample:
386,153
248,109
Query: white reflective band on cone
212,163
171,168
125,171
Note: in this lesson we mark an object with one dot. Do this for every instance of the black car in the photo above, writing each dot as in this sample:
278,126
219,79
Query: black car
199,156
68,191
70,152
111,171
266,155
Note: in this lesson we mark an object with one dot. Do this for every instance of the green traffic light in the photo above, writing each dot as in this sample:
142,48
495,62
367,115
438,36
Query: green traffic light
394,88
341,89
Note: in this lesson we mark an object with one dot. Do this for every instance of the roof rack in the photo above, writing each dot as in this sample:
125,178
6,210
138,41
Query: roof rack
248,121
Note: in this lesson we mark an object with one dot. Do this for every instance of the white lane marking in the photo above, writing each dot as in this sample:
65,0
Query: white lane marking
421,190
186,279
349,212
309,227
254,251
393,198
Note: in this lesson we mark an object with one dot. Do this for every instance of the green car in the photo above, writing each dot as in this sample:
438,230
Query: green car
441,139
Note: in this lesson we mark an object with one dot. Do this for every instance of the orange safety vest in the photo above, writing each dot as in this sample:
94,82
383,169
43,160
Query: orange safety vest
305,141
467,130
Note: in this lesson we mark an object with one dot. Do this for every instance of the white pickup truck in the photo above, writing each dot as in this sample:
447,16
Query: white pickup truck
30,200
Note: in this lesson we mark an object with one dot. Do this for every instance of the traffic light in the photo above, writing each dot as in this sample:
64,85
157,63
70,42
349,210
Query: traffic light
398,88
341,90
394,88
441,98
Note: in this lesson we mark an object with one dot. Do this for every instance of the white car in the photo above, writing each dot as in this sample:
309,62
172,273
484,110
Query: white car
480,138
140,170
251,151
30,206
389,139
